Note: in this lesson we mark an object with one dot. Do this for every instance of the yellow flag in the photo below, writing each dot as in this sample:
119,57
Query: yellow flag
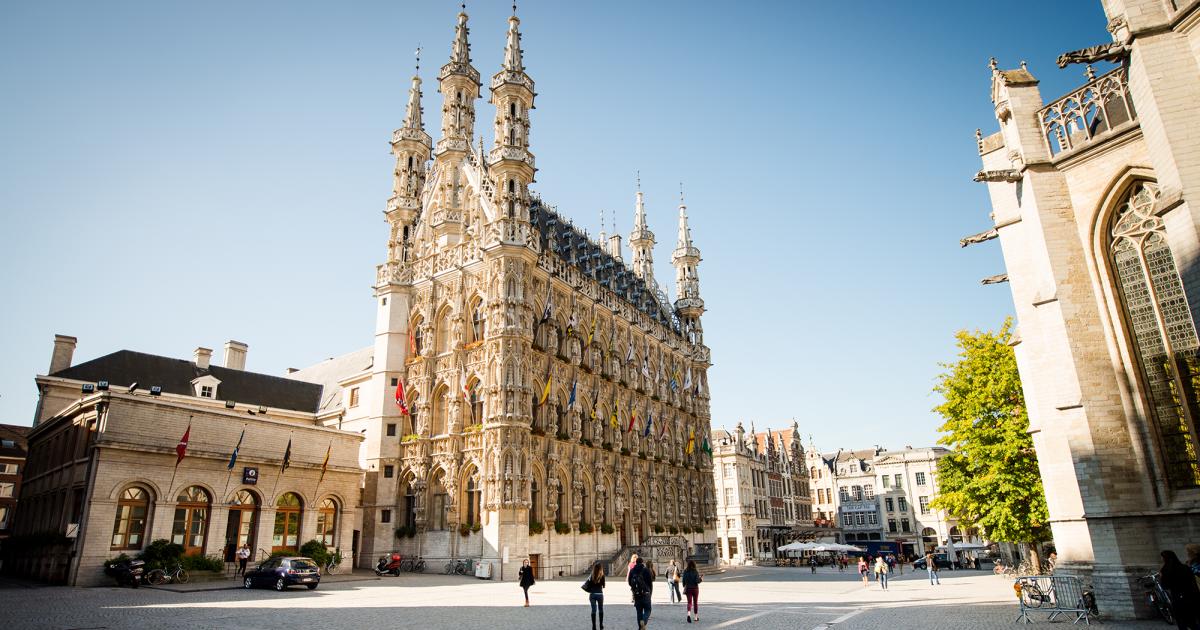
545,391
616,424
691,443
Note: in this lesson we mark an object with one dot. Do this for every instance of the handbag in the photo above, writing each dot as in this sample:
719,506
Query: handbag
587,585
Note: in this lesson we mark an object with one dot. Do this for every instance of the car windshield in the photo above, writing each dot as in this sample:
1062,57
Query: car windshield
306,565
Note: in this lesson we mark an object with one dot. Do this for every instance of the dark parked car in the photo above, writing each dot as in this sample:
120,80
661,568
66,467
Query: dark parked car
939,559
280,573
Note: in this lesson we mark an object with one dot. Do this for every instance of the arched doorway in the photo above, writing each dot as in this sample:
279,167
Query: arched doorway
242,528
327,512
191,520
929,539
286,534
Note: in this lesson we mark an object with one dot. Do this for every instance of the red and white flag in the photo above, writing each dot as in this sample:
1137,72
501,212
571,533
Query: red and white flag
181,448
462,383
400,400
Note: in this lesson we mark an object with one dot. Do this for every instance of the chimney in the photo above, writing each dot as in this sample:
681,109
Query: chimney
203,356
235,355
64,351
614,246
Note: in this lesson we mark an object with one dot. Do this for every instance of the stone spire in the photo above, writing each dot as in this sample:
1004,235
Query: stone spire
641,240
458,82
410,146
686,259
510,162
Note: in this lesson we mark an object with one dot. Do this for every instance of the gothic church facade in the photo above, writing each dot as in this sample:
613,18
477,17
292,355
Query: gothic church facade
528,393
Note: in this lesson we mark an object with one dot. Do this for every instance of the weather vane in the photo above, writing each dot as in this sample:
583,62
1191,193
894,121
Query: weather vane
418,57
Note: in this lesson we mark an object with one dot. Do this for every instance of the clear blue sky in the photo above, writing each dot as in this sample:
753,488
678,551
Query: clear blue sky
178,174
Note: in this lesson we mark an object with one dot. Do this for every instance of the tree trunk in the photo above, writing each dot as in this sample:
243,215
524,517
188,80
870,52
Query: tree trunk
1034,558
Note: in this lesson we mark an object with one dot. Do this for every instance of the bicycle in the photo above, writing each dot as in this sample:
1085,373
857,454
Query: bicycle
458,567
417,565
175,573
1158,597
333,565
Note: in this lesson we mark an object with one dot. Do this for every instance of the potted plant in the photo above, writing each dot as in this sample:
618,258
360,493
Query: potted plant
562,528
475,527
607,528
686,529
536,528
673,529
658,528
464,530
585,528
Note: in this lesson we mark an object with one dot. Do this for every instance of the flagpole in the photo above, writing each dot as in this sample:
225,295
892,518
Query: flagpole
179,458
282,469
317,490
229,476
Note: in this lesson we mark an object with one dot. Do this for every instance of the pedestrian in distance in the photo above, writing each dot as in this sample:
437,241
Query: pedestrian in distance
862,569
812,563
1180,583
673,575
881,572
891,563
932,567
841,564
641,586
525,579
243,556
691,588
595,589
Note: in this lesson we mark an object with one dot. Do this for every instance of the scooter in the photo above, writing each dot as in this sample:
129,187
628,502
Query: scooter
389,564
126,572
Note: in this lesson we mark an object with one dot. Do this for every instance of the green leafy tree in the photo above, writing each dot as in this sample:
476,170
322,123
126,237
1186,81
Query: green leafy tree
991,479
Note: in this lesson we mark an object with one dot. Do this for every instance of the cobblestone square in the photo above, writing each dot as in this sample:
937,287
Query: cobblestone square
748,598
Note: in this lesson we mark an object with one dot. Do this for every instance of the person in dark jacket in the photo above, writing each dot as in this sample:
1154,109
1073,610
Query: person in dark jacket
691,590
595,588
1180,583
525,578
641,585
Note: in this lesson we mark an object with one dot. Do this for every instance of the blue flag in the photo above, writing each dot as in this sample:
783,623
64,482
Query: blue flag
649,421
233,457
571,400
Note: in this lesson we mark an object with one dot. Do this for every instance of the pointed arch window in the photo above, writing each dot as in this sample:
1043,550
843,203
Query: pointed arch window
441,410
444,332
473,496
476,404
478,322
418,339
535,508
1161,329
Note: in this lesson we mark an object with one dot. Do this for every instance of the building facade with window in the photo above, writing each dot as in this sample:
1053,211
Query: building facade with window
906,482
104,476
530,391
12,464
763,494
1092,198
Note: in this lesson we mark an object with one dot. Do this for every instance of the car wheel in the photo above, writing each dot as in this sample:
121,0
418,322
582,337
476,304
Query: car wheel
280,585
311,587
248,583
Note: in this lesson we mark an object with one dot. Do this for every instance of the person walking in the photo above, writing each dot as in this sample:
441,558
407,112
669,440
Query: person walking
932,568
891,563
595,589
632,561
691,588
525,579
1180,583
673,574
641,586
1193,559
862,569
812,563
881,572
243,556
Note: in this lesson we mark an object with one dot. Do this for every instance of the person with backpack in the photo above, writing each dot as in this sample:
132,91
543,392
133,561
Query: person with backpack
881,572
525,579
673,581
691,589
594,586
641,586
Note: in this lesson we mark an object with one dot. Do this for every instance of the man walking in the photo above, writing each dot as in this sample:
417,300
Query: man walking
931,567
243,556
641,585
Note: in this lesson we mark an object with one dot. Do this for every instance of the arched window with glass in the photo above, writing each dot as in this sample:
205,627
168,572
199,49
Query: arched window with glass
129,526
191,519
929,539
444,333
418,336
535,505
286,534
560,511
478,322
410,505
1161,329
441,411
327,513
476,403
473,496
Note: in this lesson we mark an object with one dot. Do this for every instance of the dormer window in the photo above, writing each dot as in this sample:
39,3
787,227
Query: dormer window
205,386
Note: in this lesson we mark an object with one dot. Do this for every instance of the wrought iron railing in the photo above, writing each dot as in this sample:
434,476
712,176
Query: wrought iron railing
1076,119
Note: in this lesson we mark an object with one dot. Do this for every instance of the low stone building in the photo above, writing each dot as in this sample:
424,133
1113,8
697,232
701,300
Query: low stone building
105,475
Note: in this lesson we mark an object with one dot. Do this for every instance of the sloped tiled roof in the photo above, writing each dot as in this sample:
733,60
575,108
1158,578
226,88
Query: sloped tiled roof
126,367
333,370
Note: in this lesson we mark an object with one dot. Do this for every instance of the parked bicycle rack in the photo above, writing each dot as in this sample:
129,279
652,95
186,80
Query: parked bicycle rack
1054,594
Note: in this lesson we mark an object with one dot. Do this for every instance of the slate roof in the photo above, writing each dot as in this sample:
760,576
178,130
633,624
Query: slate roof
561,237
330,372
125,367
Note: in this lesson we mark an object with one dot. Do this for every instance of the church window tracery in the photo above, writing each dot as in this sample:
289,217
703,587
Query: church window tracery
1161,329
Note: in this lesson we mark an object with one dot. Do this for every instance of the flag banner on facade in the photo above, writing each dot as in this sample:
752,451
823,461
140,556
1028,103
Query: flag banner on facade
572,323
401,401
592,332
615,421
662,430
629,355
548,312
675,380
287,457
649,421
546,390
181,448
632,419
236,448
412,341
462,383
645,368
706,447
571,400
325,464
687,380
691,443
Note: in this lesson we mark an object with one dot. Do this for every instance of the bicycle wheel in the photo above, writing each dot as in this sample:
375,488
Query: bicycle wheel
332,568
449,568
182,576
156,577
420,566
1031,595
